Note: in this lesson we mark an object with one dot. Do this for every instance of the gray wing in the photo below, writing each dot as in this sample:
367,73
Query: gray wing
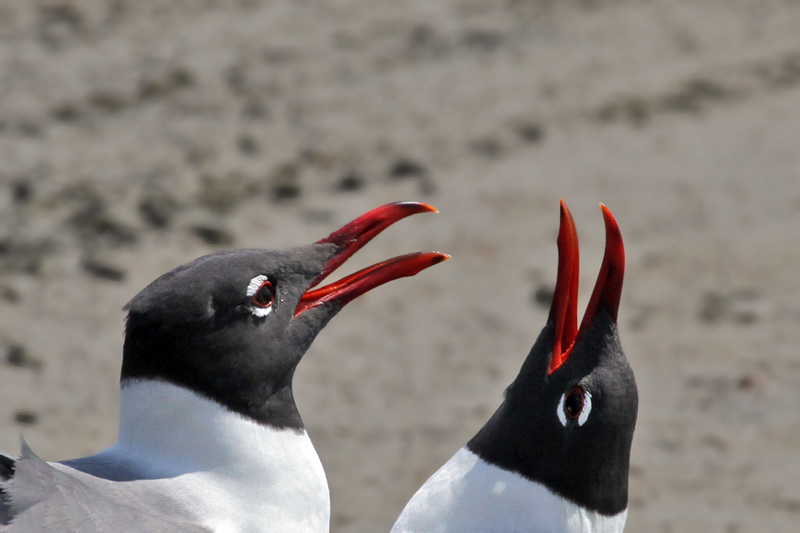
35,497
6,471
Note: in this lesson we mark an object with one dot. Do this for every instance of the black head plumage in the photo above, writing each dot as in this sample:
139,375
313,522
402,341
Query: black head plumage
567,420
233,325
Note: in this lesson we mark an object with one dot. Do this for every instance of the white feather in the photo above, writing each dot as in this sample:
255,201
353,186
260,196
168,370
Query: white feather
252,288
468,495
254,284
240,476
587,408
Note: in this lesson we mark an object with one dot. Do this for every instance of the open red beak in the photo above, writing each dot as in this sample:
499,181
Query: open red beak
607,289
351,238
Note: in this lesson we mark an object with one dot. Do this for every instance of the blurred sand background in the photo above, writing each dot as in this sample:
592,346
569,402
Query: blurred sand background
137,135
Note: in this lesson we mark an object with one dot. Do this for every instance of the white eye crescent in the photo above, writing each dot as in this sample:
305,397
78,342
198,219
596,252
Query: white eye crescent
575,404
261,294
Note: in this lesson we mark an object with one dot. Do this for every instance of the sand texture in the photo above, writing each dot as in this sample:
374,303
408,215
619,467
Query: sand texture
138,135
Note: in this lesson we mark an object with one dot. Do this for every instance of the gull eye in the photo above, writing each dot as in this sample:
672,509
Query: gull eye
576,404
263,296
261,293
573,404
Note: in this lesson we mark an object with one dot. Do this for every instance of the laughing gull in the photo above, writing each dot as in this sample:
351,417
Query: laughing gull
554,457
210,437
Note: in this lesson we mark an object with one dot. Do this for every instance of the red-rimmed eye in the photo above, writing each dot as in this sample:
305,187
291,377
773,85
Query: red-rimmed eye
573,403
263,296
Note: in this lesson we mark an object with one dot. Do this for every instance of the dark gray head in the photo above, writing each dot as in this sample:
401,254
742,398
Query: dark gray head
233,325
567,420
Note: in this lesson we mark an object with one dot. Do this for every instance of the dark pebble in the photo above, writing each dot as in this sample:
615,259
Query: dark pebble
213,236
18,356
405,168
747,382
178,78
150,89
103,270
635,111
284,183
483,40
532,133
247,145
21,191
66,112
15,355
255,110
745,318
487,147
108,102
25,257
285,191
9,294
25,417
350,182
181,78
543,296
94,222
157,210
712,307
693,96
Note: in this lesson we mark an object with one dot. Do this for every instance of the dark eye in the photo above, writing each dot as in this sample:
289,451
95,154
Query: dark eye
573,403
263,296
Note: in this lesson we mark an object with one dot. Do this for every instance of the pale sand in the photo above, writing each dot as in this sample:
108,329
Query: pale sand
117,118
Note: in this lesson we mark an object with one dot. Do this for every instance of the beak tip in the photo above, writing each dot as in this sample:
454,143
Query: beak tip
607,290
414,207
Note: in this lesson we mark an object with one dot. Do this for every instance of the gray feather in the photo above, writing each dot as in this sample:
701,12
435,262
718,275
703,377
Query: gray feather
39,497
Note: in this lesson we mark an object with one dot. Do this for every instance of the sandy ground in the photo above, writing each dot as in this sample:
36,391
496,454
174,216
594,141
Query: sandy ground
137,135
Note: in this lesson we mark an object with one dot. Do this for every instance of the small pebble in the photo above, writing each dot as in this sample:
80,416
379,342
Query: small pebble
27,418
213,236
404,168
543,296
350,182
103,270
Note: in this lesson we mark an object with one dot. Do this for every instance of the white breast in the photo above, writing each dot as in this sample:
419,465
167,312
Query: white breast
469,495
240,476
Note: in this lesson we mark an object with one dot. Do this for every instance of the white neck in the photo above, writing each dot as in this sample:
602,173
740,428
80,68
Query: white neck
189,432
469,495
245,476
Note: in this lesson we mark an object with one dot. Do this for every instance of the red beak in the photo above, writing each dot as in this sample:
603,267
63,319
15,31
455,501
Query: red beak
351,238
607,289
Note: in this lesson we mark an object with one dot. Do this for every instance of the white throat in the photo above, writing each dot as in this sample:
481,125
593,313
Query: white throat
469,495
242,475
